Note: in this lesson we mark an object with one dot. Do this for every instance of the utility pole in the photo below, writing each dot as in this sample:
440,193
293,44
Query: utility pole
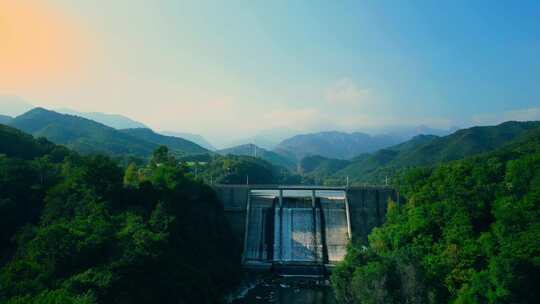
247,179
347,181
386,180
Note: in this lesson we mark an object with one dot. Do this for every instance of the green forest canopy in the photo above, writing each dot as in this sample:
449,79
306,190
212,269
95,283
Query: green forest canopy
81,229
468,233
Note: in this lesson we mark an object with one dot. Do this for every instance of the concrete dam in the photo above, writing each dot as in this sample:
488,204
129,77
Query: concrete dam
301,226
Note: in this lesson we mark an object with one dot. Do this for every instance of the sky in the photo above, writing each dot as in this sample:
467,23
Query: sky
232,69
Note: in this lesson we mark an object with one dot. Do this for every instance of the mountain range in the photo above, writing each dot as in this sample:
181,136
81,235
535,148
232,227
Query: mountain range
4,119
267,139
293,148
87,136
196,138
422,150
324,156
334,144
112,120
342,145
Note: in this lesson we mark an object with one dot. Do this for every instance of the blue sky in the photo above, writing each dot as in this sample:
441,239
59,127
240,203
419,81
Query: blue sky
233,69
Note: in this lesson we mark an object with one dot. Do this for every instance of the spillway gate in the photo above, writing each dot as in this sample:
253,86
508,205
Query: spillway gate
293,226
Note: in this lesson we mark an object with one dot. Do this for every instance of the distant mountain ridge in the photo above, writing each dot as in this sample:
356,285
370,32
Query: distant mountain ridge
256,151
267,139
343,145
112,120
334,144
87,136
196,138
4,119
426,150
259,141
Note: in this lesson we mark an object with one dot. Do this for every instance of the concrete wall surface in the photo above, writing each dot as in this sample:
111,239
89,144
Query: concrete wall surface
365,207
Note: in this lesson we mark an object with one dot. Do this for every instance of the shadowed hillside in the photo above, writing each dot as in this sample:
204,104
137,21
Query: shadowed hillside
81,229
468,232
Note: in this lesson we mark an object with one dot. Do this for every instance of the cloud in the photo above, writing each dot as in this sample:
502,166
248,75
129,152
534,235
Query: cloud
345,91
517,115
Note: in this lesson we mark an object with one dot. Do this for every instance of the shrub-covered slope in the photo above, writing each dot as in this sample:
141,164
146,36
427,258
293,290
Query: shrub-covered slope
80,229
469,232
429,150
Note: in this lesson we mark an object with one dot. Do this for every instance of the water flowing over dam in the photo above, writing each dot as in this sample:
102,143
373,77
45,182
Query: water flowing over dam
301,227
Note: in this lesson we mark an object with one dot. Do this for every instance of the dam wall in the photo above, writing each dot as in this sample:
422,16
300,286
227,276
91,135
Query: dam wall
234,199
367,208
336,227
301,225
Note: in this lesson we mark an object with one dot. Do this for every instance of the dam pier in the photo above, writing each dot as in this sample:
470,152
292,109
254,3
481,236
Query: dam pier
301,230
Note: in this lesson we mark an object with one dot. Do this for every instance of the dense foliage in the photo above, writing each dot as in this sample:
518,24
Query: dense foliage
80,229
233,169
468,233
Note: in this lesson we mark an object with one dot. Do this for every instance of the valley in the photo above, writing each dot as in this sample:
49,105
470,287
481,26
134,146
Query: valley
249,152
139,177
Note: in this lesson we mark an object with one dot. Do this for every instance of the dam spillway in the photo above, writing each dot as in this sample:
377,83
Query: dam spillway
289,226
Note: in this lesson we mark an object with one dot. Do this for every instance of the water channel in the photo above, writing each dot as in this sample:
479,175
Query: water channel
273,289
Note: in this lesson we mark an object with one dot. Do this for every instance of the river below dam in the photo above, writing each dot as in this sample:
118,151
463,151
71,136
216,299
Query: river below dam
273,289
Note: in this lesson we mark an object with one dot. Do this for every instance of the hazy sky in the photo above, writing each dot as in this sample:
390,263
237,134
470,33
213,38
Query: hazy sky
231,69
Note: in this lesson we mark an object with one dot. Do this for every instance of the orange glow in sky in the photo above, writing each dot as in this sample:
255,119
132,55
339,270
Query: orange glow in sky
38,45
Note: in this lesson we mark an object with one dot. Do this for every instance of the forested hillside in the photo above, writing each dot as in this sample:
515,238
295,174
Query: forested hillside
427,150
255,151
112,120
87,136
468,232
81,229
175,144
317,169
232,169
